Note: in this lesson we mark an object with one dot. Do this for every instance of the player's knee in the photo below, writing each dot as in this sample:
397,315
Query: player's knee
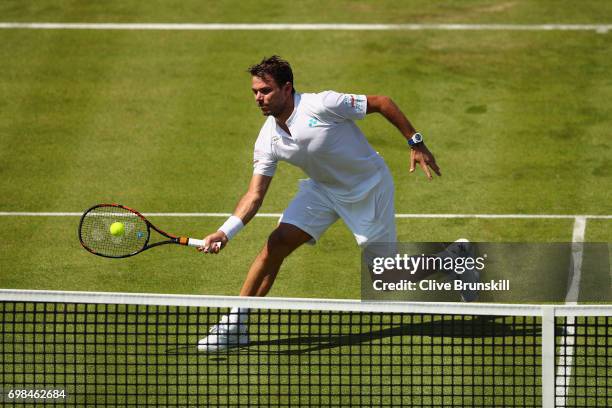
281,242
278,243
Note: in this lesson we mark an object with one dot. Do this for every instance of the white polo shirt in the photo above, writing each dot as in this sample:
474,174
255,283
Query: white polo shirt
325,143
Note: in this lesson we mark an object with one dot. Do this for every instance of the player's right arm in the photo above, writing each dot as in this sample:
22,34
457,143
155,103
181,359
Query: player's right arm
264,167
250,202
246,209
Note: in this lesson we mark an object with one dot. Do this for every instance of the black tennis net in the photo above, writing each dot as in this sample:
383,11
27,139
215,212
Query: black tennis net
105,350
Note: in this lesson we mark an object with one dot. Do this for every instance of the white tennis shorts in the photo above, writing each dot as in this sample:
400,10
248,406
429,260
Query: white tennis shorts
371,219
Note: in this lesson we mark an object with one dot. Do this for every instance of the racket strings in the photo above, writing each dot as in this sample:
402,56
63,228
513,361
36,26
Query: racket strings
95,231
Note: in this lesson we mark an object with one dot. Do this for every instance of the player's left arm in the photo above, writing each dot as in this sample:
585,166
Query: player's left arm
419,153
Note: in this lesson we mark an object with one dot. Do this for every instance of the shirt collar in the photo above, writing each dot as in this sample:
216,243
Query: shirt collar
296,101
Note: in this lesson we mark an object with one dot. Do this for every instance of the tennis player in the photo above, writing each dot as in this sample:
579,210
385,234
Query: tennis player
347,179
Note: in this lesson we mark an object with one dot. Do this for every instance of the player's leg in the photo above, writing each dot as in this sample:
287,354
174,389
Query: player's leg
282,241
306,218
372,221
232,330
462,248
304,221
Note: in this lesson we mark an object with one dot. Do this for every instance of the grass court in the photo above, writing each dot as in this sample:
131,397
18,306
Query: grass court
164,121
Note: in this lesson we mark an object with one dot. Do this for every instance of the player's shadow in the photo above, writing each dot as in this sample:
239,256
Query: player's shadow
480,327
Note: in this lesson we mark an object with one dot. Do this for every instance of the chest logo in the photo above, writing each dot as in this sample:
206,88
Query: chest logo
312,122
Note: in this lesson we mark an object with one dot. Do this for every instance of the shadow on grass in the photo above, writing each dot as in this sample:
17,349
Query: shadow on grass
477,329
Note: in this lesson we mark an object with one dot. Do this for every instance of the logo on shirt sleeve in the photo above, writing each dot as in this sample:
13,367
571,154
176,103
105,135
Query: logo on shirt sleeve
354,102
349,100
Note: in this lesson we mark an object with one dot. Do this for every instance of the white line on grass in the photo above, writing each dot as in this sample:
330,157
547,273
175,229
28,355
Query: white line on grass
599,28
276,215
576,264
566,348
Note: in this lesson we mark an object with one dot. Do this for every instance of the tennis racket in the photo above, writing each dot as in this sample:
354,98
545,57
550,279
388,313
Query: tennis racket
96,237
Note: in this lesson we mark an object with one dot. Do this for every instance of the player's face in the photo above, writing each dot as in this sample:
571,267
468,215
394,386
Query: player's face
271,98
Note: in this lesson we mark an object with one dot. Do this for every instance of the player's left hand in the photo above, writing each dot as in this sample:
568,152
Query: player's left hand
421,154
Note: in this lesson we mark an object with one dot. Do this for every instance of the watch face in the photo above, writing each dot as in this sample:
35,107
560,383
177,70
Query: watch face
417,138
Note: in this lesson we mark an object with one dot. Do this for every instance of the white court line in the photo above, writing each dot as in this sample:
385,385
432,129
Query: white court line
276,215
599,28
566,358
576,264
566,348
557,382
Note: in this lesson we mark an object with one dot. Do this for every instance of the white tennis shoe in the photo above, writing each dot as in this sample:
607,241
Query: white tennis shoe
223,336
462,248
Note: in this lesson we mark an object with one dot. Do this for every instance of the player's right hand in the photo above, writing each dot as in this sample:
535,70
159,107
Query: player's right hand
213,243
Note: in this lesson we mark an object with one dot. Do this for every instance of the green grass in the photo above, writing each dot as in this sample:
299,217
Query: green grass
88,113
312,271
164,121
311,11
147,119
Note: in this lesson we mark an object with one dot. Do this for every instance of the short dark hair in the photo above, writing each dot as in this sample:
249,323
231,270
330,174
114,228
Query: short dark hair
277,68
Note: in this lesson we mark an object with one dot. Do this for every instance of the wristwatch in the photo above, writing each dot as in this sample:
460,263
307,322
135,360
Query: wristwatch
415,139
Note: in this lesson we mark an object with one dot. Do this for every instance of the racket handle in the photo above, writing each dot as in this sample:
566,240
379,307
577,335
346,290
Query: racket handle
192,242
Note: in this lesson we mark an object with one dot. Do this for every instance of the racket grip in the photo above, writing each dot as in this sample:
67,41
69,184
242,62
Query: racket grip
192,242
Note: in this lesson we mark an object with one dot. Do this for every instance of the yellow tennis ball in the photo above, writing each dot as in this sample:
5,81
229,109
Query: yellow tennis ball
117,229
